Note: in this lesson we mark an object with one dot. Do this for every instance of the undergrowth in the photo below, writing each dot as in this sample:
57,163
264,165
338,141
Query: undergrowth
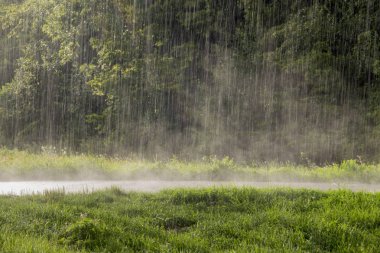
22,165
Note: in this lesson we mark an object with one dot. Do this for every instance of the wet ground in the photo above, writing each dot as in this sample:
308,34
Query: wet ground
23,188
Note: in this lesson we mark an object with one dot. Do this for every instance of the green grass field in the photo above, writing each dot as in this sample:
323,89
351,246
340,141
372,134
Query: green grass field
207,220
21,165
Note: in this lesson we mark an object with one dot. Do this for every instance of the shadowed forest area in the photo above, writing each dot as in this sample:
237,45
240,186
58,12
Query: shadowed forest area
278,80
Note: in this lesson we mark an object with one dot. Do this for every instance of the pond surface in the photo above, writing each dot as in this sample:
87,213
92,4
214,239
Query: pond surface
36,187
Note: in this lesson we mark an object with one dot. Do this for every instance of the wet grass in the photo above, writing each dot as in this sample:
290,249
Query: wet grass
207,220
49,165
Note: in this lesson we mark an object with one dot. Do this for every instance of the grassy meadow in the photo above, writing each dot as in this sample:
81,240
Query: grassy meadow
203,220
185,220
50,165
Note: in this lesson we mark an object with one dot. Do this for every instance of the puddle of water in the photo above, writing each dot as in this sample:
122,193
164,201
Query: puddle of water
24,188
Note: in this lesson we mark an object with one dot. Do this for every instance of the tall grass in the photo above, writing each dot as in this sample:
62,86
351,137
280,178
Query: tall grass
207,220
48,165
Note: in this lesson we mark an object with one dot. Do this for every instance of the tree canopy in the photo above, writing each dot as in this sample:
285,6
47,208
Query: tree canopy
253,79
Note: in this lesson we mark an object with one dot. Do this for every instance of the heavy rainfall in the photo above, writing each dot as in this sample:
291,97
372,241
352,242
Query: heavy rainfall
252,80
208,105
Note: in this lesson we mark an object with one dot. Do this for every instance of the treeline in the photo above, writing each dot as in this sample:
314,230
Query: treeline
286,80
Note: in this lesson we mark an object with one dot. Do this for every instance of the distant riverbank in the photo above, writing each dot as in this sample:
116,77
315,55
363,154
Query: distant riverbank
24,166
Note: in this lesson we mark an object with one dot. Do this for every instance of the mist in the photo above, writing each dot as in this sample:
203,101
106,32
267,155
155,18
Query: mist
285,81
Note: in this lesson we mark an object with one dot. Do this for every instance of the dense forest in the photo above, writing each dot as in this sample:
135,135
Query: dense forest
278,80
